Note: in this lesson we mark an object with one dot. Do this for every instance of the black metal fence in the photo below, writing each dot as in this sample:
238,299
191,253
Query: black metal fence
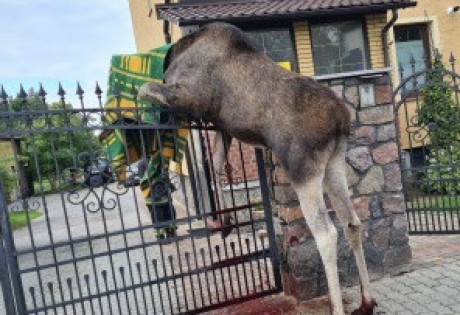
428,110
91,243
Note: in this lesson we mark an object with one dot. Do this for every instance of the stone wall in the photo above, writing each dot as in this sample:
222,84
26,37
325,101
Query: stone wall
375,189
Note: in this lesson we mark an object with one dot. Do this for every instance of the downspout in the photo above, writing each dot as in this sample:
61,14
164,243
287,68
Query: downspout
385,30
166,32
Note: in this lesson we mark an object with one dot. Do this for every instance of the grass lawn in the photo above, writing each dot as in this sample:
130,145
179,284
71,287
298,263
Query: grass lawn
47,187
18,219
440,202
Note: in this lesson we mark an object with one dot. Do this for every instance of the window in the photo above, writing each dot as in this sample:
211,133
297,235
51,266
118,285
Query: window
412,42
276,44
339,47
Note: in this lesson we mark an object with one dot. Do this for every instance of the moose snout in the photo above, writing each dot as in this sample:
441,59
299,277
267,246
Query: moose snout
152,92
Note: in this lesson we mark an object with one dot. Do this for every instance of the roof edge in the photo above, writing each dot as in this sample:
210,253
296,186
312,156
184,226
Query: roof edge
368,9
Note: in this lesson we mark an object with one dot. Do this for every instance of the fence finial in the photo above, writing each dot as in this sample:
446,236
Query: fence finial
3,94
41,91
133,90
115,92
61,91
79,91
22,93
452,61
401,71
98,90
437,55
412,63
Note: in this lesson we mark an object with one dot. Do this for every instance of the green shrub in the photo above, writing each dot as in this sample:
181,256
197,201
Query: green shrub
441,114
9,181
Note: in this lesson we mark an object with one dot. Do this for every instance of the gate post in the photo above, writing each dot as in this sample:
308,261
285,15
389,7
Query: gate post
375,189
5,279
268,217
13,294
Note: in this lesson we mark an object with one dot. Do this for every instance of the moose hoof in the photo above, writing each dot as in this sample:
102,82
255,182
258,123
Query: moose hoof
225,227
228,226
366,308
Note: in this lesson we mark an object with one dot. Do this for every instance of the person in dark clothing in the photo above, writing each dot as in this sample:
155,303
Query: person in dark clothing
160,211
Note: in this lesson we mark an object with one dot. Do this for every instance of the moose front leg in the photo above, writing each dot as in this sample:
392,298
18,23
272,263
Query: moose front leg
222,144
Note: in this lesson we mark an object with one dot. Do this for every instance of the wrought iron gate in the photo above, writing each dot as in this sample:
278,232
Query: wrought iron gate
428,112
95,248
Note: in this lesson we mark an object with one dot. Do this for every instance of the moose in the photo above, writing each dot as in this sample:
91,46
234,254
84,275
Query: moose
217,74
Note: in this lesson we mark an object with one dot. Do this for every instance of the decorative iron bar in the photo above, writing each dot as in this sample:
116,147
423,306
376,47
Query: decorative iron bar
428,109
104,243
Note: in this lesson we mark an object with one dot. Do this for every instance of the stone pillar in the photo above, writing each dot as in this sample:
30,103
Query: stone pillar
375,189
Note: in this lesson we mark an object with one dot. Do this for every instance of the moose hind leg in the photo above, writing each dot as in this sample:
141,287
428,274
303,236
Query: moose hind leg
311,200
222,144
336,186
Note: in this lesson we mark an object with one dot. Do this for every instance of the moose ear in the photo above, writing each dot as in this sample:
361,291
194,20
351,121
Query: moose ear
157,93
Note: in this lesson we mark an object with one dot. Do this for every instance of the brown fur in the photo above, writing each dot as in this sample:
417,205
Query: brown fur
252,98
217,74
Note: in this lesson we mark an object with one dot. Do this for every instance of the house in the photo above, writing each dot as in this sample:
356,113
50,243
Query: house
322,39
344,45
316,37
420,30
417,34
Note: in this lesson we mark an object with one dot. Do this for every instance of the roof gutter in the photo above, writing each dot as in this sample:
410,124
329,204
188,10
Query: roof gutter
372,9
384,35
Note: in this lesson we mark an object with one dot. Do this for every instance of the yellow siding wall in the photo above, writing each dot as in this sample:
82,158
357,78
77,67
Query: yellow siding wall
444,28
148,31
375,24
303,44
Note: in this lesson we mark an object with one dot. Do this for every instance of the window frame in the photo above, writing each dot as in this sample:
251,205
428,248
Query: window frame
427,46
273,27
365,33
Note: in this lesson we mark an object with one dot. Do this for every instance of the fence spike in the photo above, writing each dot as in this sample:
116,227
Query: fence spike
34,298
155,267
412,63
61,91
248,244
70,287
452,58
41,91
3,94
437,55
401,71
98,90
51,291
88,287
22,93
187,257
104,277
133,90
138,268
79,91
115,92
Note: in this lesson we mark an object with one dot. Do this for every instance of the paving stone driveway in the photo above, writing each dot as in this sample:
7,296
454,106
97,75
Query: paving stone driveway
428,290
433,287
119,243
